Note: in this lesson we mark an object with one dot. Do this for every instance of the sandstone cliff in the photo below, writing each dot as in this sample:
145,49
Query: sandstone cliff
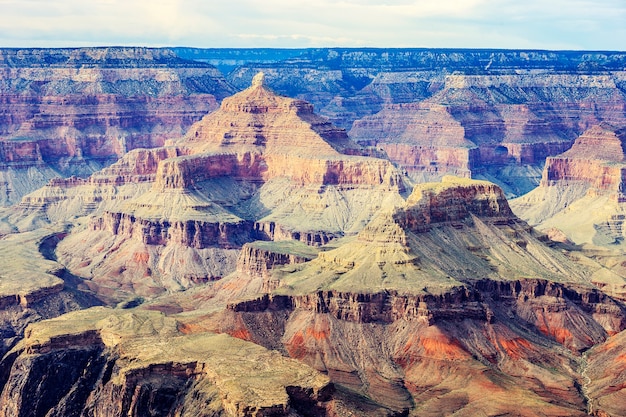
262,167
450,284
72,111
488,113
582,190
117,362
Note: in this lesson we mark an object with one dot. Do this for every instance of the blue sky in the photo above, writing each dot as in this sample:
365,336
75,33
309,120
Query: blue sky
540,24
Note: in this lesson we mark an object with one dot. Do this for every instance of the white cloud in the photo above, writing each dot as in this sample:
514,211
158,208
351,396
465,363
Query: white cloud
573,24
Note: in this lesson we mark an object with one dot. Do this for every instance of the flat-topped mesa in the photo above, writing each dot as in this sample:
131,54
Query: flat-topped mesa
597,159
452,200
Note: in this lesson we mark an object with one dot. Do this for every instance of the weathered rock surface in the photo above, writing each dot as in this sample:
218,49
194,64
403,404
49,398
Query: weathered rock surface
262,167
478,124
267,223
603,377
503,112
582,190
72,111
33,286
451,284
119,362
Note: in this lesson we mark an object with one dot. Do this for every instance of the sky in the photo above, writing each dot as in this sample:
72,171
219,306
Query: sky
509,24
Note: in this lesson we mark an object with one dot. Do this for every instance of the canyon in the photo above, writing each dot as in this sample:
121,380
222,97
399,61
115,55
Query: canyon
319,232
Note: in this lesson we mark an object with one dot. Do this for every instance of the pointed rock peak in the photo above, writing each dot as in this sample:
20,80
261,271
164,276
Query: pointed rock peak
259,117
258,80
603,142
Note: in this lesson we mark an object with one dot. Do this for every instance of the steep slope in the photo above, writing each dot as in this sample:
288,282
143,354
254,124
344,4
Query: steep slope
33,286
262,167
496,126
490,114
70,112
119,362
448,305
581,191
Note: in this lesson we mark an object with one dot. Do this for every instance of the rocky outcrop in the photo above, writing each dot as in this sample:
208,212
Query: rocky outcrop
33,286
259,258
596,159
480,116
490,114
262,167
449,283
72,111
89,362
582,190
195,234
404,346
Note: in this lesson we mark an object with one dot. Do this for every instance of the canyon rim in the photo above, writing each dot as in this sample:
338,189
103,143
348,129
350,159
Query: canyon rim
313,232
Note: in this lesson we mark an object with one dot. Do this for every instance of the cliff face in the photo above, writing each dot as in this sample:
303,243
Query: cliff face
90,362
72,111
582,190
334,291
406,351
33,286
438,288
490,113
493,121
262,166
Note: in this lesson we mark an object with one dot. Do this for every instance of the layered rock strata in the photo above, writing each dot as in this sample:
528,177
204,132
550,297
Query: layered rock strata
262,167
117,362
582,190
452,283
487,114
72,111
477,125
33,286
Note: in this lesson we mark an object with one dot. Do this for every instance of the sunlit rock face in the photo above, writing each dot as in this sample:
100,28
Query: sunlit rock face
582,190
118,362
261,167
481,113
477,125
451,283
72,111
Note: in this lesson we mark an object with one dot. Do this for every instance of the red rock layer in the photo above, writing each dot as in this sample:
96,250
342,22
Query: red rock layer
502,337
61,108
597,159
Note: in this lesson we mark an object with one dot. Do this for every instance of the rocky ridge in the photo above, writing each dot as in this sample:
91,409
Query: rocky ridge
445,303
70,112
262,167
450,283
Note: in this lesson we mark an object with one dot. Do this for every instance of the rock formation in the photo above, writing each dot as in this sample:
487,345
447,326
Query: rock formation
33,286
450,284
488,113
70,112
263,263
262,167
582,190
477,125
116,362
